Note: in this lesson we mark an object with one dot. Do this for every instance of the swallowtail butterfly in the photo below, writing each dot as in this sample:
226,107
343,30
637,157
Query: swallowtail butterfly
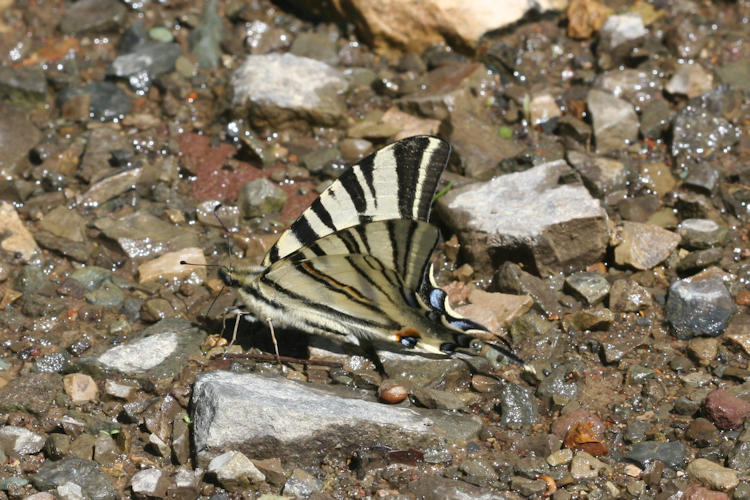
355,265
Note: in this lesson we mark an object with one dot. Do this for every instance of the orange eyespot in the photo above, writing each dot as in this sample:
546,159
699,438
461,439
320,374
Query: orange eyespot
408,337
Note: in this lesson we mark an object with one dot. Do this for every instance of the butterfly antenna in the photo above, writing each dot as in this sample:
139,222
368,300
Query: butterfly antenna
507,353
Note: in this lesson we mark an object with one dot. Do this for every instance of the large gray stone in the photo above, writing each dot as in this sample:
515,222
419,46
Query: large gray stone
282,90
85,473
303,423
529,214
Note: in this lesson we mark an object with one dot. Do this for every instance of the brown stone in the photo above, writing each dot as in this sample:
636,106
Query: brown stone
726,410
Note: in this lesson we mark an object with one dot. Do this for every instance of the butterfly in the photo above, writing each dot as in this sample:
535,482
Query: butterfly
355,266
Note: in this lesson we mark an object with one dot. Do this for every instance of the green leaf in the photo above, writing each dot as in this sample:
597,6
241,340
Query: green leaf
505,132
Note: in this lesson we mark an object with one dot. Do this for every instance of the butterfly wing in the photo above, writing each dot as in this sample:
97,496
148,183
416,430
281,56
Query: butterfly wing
396,182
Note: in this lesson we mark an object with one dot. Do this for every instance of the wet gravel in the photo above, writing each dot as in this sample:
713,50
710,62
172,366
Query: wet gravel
595,211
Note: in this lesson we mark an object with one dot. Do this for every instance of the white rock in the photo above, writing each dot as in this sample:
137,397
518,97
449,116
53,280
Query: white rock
235,471
141,354
15,237
169,266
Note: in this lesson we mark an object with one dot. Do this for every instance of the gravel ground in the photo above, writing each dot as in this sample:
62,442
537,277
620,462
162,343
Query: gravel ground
594,211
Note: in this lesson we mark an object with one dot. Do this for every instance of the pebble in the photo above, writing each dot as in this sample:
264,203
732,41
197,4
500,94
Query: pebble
701,233
235,471
601,175
301,484
672,453
644,246
149,483
353,150
86,474
260,197
92,16
17,441
690,80
712,474
726,410
618,35
699,308
15,239
628,296
518,406
560,457
80,387
703,349
585,466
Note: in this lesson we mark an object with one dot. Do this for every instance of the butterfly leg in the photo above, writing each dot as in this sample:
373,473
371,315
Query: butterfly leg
275,344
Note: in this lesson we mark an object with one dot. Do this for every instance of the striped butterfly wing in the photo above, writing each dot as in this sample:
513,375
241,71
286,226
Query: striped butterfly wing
396,182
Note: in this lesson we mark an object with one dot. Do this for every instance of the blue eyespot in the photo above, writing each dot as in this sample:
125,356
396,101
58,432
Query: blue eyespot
410,341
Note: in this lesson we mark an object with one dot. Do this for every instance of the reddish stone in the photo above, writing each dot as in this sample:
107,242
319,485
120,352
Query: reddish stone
726,410
698,492
215,182
562,425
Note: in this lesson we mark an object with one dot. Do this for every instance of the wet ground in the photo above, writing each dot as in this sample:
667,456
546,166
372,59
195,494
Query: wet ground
594,211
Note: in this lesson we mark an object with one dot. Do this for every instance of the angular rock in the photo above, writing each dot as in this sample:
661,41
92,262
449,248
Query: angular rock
260,197
14,236
205,38
690,80
699,308
672,453
235,471
592,287
280,90
17,137
301,484
142,235
600,175
712,474
699,132
658,178
146,61
585,17
585,466
106,101
64,223
170,266
618,36
409,125
84,473
518,407
543,108
628,296
615,121
149,483
80,387
511,278
110,187
159,351
393,24
494,310
655,118
644,246
444,88
725,409
282,418
18,441
530,215
23,86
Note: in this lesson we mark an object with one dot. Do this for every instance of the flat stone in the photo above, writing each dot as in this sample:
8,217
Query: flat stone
92,16
518,407
283,89
617,37
495,311
281,417
529,213
110,187
26,87
701,233
64,223
658,178
511,278
159,351
585,466
726,410
592,287
615,121
408,124
16,239
712,474
84,473
142,235
699,308
672,453
146,61
17,136
106,101
644,246
170,266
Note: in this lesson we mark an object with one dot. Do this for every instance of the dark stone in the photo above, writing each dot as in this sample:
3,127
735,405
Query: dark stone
699,308
85,473
672,453
92,16
518,407
107,100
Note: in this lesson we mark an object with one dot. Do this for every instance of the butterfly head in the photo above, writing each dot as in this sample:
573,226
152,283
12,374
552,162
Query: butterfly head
437,341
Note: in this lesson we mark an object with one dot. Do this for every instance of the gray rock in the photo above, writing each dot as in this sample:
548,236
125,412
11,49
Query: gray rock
142,235
34,393
529,214
685,39
107,294
301,484
672,453
736,74
628,296
617,37
701,233
159,351
235,471
90,277
23,86
690,80
145,62
518,407
739,457
186,483
92,16
592,287
260,197
600,175
319,45
434,487
205,38
698,132
615,121
644,246
18,441
99,147
282,90
285,419
699,308
149,483
655,118
478,472
558,388
699,259
84,473
107,101
702,177
17,137
639,87
585,466
56,362
444,87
